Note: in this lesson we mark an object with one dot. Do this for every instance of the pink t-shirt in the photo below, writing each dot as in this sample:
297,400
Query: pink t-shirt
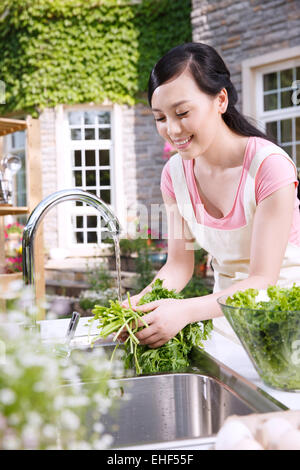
274,173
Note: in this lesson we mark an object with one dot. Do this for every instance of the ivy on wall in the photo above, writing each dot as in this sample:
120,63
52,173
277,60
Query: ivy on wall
78,51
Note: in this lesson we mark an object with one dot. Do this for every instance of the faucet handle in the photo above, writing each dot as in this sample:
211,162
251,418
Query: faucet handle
72,326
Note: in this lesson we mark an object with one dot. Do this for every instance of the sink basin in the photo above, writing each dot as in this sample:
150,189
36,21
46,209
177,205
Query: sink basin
182,410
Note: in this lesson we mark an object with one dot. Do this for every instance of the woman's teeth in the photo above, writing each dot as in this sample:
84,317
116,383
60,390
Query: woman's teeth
183,141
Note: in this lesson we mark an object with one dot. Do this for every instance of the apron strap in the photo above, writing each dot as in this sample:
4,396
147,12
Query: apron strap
249,190
182,194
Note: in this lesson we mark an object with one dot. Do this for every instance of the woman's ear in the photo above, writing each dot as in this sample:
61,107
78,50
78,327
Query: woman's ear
222,101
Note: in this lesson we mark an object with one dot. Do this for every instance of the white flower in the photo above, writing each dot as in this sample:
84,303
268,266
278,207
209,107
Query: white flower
78,401
103,443
69,420
30,437
49,431
71,373
98,427
34,419
10,441
81,445
7,396
39,387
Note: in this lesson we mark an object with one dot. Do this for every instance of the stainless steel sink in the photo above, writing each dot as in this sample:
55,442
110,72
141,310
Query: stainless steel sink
182,410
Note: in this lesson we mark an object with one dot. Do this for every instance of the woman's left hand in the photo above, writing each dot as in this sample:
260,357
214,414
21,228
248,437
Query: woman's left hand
166,318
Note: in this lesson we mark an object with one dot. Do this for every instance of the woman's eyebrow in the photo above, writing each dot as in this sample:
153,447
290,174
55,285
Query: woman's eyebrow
173,105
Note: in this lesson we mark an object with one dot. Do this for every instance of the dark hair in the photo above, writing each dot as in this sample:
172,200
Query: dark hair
211,75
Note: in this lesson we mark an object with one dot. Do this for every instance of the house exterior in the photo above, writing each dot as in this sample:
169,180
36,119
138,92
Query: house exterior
114,151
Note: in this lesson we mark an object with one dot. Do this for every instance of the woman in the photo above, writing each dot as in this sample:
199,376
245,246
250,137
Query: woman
229,187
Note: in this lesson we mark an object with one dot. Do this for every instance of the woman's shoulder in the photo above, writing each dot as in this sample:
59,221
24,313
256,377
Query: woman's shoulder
262,149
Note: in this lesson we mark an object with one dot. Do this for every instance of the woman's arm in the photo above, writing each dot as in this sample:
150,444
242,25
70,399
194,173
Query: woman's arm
271,228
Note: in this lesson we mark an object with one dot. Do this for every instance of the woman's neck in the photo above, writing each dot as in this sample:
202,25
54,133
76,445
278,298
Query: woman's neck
226,151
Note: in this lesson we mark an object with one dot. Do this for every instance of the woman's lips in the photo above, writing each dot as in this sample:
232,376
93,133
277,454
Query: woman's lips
183,144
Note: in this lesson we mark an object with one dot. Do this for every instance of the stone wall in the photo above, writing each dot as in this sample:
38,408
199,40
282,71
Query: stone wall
239,30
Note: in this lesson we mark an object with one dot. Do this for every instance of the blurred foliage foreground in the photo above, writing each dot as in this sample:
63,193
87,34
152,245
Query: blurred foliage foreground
51,397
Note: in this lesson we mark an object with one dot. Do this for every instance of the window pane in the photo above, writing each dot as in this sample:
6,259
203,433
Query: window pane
103,117
93,191
105,195
286,99
89,134
79,221
79,237
298,128
21,199
89,117
298,156
75,118
104,177
270,102
78,178
18,139
90,178
286,130
78,203
104,157
271,129
286,78
105,234
91,221
270,81
77,158
104,133
76,134
90,158
92,237
298,73
288,149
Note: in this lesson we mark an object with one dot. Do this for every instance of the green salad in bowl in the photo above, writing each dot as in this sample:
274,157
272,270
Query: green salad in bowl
267,323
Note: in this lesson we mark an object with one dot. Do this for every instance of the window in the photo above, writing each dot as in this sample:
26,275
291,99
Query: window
279,107
15,144
91,164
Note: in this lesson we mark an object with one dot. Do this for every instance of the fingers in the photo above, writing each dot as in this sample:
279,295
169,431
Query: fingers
149,306
133,301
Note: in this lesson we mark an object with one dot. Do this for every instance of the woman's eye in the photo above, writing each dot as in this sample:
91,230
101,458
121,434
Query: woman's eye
159,119
182,114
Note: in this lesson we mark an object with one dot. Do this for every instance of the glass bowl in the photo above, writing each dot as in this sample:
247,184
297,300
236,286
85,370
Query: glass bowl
271,340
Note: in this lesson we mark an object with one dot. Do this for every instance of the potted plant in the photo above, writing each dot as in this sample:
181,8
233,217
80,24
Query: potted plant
13,258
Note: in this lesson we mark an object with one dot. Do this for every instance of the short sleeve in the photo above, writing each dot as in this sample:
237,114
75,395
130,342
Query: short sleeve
166,184
275,172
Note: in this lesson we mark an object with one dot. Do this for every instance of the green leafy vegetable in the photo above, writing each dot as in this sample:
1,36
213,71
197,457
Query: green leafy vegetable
172,356
270,332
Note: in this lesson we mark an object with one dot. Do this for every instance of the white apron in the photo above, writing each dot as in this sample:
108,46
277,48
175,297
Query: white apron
230,249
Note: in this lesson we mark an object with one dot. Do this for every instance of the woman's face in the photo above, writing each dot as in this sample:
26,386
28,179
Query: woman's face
186,117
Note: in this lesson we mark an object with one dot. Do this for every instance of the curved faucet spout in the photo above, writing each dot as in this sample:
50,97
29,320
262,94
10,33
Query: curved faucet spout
41,210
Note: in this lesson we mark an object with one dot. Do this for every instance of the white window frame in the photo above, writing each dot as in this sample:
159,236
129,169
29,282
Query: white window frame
64,147
252,84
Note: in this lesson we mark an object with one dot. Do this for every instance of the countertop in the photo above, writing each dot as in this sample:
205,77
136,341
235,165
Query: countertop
220,347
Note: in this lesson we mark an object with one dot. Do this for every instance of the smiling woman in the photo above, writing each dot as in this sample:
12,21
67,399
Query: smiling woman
229,188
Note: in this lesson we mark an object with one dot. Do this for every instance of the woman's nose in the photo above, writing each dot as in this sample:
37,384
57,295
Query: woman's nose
173,128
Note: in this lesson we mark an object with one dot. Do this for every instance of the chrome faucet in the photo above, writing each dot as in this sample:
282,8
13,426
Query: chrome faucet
41,210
